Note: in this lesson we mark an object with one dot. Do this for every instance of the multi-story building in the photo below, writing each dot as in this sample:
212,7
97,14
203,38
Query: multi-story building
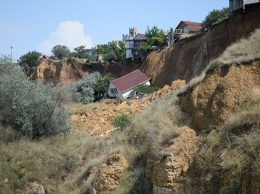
133,42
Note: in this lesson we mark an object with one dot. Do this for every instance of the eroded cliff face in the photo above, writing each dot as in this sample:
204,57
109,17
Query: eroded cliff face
62,72
190,56
223,89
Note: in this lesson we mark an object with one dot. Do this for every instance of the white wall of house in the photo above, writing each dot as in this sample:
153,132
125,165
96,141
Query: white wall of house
114,92
129,53
129,46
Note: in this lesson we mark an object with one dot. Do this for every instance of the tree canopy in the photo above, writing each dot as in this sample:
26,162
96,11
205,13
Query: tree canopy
155,38
112,52
215,16
29,60
101,87
60,51
30,107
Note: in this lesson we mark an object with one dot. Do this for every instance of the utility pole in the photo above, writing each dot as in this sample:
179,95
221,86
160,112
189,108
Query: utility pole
12,54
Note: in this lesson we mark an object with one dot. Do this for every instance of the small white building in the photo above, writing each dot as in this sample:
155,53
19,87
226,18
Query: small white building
123,86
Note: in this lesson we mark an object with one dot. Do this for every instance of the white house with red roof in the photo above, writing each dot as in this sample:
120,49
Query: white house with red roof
188,27
123,86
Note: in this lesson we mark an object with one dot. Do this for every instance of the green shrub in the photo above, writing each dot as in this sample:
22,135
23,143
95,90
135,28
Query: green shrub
214,64
30,107
84,89
122,121
146,89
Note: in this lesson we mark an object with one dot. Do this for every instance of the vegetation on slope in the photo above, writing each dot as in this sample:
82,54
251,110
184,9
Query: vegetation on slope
243,50
227,162
30,107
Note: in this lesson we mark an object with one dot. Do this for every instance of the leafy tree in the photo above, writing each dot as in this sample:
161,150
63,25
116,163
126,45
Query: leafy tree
215,16
81,52
145,47
5,59
60,51
121,52
101,87
86,85
29,60
102,49
155,36
30,107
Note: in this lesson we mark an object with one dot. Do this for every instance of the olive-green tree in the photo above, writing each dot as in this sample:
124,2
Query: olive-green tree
116,52
29,61
215,16
155,36
101,87
101,49
30,107
60,51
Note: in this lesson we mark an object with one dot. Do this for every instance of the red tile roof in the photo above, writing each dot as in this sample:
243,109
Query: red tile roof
130,80
46,56
193,26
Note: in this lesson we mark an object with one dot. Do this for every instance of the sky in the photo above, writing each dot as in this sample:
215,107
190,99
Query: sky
33,25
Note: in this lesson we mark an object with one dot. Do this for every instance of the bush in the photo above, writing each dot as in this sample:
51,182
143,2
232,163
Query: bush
146,89
122,121
91,87
30,107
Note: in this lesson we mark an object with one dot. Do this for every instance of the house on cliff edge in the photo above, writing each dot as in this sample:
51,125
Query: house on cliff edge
238,4
124,86
186,27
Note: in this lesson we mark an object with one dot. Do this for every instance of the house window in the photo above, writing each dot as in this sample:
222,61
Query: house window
186,30
114,91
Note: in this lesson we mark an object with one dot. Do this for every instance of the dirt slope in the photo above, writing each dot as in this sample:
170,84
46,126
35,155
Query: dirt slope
98,120
221,92
190,56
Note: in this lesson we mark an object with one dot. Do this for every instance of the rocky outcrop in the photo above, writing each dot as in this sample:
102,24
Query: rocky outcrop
221,92
167,173
110,173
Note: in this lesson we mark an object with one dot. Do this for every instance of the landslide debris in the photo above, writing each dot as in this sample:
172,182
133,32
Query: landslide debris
98,120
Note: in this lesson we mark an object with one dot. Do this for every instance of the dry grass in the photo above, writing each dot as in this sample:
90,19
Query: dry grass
58,163
234,147
243,50
78,108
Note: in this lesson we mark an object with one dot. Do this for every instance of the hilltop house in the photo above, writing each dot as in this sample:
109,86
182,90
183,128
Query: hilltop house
185,27
237,4
188,27
123,86
133,42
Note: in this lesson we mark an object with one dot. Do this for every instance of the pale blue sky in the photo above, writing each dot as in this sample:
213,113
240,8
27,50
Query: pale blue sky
29,25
